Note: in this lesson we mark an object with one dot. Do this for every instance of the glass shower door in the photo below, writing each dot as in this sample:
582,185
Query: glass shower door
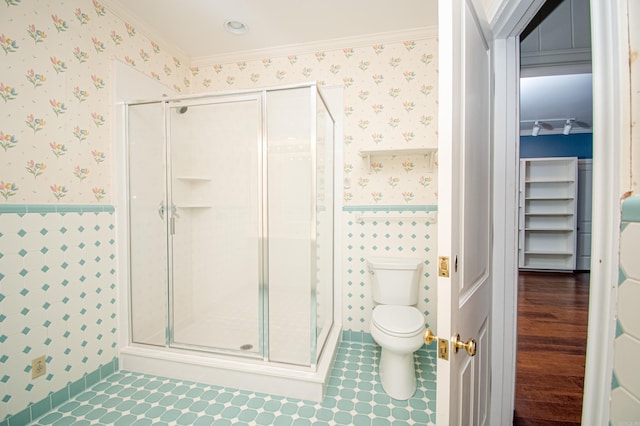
215,223
147,223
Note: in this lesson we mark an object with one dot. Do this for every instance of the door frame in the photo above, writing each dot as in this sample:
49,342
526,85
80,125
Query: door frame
610,115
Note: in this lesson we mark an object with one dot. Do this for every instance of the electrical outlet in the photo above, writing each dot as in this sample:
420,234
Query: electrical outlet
38,367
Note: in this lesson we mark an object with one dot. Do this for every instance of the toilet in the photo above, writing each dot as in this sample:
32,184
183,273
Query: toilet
396,324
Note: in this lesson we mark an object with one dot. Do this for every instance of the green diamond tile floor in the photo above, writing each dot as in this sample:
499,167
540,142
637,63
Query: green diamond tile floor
354,397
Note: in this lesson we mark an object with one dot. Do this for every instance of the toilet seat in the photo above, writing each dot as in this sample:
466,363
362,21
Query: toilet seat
399,321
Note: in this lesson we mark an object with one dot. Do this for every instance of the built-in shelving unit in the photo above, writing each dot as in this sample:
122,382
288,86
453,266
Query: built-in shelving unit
428,153
547,213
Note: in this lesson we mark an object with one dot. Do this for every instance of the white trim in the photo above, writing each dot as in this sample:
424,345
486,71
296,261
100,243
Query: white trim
556,69
560,56
505,228
512,17
446,195
422,33
609,81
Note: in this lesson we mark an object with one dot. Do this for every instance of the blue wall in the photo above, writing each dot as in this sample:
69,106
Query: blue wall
575,145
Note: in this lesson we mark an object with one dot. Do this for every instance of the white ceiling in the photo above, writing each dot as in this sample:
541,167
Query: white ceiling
195,27
555,98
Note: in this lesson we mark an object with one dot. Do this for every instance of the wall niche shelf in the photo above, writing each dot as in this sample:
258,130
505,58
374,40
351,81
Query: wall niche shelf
429,153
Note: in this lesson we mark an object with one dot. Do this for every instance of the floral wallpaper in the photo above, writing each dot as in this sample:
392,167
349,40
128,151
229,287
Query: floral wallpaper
55,77
56,107
390,101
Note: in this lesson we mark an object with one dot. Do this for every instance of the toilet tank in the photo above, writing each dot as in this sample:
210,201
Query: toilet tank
394,280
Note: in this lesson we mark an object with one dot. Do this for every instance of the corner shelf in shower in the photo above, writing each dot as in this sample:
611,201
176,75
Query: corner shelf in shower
428,153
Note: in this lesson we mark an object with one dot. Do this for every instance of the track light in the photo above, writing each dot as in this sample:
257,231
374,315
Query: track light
567,128
536,129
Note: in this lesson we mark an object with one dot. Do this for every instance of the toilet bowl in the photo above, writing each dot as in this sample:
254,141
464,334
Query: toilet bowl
398,330
396,324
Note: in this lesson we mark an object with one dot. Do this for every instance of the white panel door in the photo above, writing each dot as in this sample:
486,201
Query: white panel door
464,228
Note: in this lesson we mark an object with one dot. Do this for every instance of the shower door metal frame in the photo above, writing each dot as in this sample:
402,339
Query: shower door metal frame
313,279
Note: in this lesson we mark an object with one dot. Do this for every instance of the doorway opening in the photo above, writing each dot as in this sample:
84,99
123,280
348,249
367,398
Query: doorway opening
554,217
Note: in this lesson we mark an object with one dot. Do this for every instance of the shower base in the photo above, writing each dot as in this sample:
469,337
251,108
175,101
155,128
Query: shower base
235,371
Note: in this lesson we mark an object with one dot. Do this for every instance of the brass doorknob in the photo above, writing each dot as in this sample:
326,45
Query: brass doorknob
429,337
470,346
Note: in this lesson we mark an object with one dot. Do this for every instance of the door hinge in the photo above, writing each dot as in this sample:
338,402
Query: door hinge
443,349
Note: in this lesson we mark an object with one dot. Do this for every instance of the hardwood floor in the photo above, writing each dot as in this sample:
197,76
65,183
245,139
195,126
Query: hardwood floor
552,339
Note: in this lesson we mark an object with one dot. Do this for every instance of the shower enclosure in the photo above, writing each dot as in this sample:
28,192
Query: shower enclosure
231,227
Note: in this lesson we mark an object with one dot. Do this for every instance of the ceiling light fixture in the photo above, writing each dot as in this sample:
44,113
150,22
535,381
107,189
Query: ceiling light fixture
536,129
236,27
567,128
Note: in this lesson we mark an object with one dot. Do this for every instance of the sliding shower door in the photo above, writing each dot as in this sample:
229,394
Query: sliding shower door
215,223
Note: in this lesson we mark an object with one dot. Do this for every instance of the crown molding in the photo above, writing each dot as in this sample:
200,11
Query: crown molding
117,9
321,45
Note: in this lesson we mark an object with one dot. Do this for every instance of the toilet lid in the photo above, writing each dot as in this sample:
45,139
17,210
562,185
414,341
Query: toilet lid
399,320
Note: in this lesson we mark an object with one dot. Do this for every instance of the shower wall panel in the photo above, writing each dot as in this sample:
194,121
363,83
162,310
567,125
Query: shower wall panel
290,213
322,285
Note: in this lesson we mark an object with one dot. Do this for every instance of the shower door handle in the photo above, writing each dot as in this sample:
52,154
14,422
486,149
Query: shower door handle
172,221
161,209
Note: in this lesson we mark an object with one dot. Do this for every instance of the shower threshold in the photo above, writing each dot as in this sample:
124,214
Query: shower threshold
236,372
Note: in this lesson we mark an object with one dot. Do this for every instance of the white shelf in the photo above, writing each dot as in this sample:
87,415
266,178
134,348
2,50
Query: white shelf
548,198
548,253
194,178
546,180
429,153
548,214
396,151
547,231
